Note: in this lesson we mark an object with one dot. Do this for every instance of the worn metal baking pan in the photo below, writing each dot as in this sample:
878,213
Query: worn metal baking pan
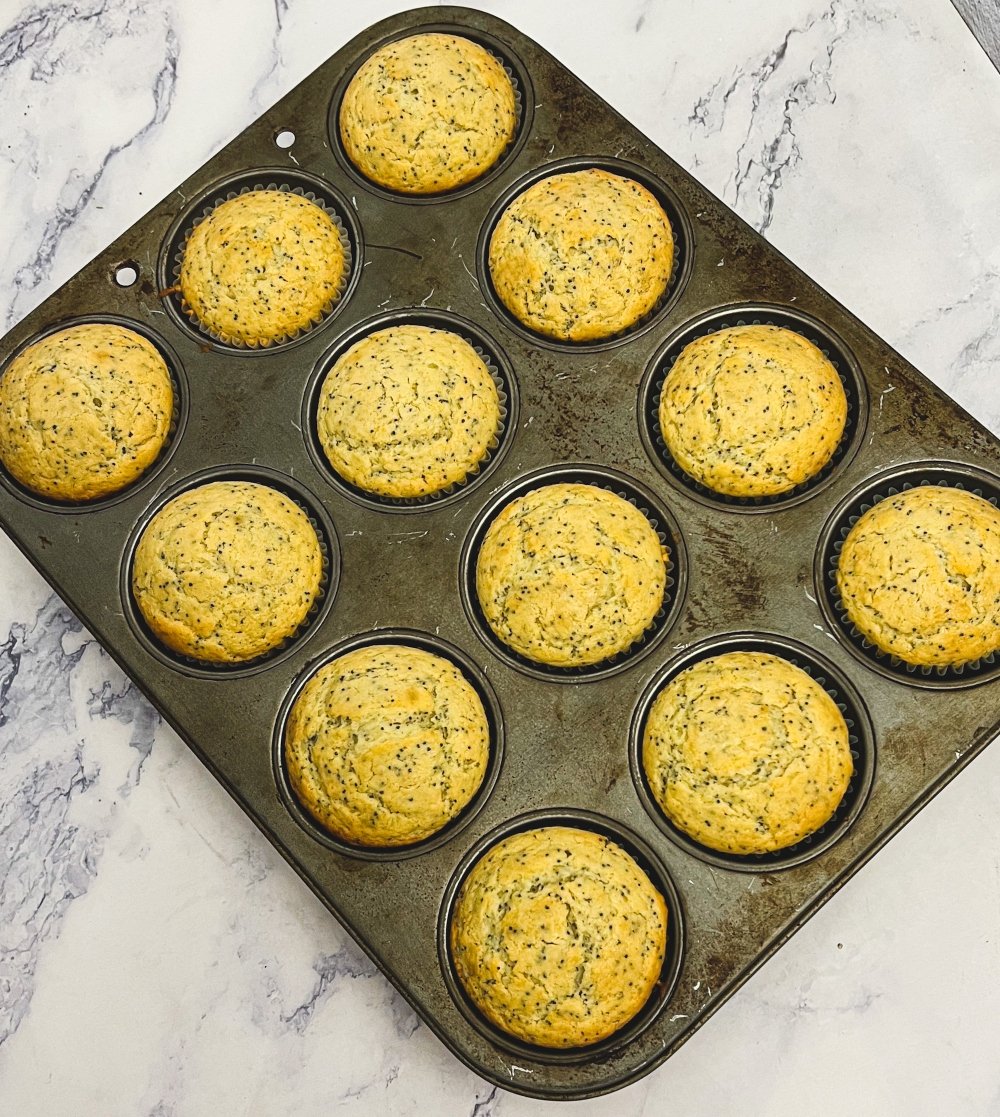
744,574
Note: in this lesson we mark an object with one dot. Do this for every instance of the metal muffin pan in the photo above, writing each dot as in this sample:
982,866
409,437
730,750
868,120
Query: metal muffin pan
566,744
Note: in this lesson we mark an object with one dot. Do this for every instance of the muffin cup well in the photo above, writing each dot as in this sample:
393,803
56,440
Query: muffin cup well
329,548
489,353
950,474
861,737
742,315
680,269
652,866
470,672
523,109
178,418
281,180
639,496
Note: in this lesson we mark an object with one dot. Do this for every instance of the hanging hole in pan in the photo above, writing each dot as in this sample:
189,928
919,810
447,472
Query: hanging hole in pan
127,273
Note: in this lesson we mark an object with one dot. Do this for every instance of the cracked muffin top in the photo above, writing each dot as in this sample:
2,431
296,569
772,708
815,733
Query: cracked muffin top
570,575
746,753
582,255
386,745
84,412
262,267
227,571
428,113
919,576
752,411
558,936
408,411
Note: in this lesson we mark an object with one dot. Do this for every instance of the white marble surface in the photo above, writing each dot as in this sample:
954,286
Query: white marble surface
156,957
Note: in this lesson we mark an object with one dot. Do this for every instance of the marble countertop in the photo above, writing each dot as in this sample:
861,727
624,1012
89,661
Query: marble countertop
157,957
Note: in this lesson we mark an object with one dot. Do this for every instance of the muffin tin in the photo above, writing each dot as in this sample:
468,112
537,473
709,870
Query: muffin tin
561,744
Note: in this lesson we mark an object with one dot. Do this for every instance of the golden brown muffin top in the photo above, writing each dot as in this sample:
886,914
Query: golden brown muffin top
581,255
387,744
746,753
919,576
428,113
84,412
570,574
262,267
558,936
407,411
752,411
227,571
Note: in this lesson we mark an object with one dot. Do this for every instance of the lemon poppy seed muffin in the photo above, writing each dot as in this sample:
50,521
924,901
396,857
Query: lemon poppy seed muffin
570,575
919,576
428,113
558,936
261,267
386,745
752,411
408,411
84,412
746,753
227,571
582,255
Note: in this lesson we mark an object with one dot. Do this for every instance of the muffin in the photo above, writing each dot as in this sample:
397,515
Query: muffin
558,936
919,576
746,753
428,113
84,412
570,575
261,267
752,411
582,255
408,411
227,571
386,745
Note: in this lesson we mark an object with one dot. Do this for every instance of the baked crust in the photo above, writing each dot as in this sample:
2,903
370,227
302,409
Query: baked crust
570,575
582,255
407,411
558,936
752,411
919,576
262,267
227,571
386,745
428,113
746,753
84,412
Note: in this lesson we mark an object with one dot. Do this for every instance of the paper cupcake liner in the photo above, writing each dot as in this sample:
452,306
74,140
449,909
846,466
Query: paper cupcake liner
205,667
282,339
975,670
449,829
835,354
504,395
860,741
666,532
